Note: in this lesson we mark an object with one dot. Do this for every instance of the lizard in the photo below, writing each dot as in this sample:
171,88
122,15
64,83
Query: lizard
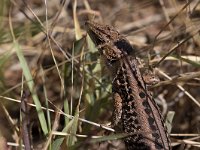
134,106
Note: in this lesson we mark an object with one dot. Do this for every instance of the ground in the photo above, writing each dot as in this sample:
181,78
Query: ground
45,54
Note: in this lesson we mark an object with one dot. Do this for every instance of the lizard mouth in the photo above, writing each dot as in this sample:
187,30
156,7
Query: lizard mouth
94,38
92,32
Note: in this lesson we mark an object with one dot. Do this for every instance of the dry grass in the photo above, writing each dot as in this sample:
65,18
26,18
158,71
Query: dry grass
48,62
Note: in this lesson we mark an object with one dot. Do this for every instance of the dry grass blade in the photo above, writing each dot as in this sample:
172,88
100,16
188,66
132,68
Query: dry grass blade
176,47
166,25
181,88
181,78
62,113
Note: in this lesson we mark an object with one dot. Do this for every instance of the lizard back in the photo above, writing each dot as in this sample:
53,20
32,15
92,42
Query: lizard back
139,111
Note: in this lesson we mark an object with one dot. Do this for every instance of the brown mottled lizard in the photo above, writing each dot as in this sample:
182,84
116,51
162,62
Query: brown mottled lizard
134,106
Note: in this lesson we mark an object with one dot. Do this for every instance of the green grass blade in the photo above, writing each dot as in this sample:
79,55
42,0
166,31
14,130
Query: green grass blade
72,139
169,119
193,63
59,140
30,84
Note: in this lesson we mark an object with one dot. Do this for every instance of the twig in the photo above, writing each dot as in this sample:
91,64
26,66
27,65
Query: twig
25,121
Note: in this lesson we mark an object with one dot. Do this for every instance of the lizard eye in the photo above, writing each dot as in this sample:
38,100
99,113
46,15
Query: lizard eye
113,61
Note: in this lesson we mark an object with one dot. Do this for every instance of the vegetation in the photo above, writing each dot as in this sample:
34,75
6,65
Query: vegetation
55,92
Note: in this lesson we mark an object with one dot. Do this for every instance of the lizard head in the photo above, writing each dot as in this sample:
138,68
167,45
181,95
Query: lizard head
104,37
101,34
111,45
